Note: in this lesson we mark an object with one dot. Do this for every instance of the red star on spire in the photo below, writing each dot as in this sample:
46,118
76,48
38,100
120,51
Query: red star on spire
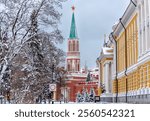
73,8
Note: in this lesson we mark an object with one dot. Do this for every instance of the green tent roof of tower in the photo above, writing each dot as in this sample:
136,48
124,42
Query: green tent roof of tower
73,31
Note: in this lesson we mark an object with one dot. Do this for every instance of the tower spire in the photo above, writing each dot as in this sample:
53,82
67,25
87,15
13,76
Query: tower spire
73,30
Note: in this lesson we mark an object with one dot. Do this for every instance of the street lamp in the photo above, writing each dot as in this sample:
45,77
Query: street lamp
51,92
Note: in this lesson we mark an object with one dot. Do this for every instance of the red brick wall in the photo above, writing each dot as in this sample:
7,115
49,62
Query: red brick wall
77,85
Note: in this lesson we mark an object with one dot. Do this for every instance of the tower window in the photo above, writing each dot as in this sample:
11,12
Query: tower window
68,67
73,45
78,67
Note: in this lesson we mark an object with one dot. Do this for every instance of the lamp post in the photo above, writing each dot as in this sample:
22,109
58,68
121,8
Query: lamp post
52,93
64,94
53,67
1,99
1,96
7,92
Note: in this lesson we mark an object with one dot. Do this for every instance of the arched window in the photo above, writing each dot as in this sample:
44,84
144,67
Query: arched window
77,45
69,46
73,45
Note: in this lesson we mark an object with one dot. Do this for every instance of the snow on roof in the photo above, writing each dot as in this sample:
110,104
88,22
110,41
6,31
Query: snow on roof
115,25
94,69
107,51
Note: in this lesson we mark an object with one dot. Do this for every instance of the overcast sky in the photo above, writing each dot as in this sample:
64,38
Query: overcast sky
94,18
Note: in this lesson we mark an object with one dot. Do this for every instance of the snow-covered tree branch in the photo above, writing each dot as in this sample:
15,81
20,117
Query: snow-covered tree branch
28,36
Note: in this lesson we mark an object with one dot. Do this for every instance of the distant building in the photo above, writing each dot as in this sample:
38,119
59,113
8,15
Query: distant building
105,62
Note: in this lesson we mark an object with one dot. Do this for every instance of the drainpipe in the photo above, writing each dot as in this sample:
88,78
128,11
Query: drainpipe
126,65
116,67
134,3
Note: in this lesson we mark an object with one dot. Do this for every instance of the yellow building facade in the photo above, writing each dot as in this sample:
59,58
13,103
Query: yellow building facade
131,54
132,84
127,57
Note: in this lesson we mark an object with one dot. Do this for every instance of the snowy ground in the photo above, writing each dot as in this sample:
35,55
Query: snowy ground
82,103
71,103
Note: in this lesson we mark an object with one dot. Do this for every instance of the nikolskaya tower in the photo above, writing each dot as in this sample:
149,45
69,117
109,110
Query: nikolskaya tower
76,79
73,53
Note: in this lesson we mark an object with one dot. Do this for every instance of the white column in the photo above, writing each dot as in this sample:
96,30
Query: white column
103,74
107,77
148,18
146,28
114,61
139,28
99,74
135,42
111,69
143,28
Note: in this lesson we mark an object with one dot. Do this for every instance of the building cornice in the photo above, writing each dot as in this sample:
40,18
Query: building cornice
127,16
